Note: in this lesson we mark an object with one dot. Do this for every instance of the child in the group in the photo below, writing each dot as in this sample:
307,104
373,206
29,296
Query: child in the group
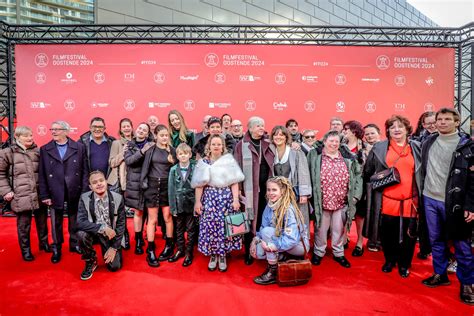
181,200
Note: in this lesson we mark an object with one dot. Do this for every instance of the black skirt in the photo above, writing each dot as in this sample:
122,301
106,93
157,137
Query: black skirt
157,193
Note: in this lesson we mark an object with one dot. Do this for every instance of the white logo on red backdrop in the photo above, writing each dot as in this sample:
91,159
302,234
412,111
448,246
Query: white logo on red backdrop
211,60
95,104
340,106
280,78
310,78
400,107
99,77
429,107
340,79
383,62
41,60
129,77
279,106
129,105
370,107
309,106
159,77
69,105
219,78
41,130
250,105
39,105
40,78
189,105
249,78
429,81
400,80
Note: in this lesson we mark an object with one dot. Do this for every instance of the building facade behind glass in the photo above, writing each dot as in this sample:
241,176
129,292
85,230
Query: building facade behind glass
396,13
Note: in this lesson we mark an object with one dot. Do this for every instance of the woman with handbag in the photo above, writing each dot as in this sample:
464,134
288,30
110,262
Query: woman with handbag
393,168
117,179
292,164
282,231
19,163
216,179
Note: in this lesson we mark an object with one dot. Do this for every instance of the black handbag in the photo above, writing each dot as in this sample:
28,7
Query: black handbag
388,177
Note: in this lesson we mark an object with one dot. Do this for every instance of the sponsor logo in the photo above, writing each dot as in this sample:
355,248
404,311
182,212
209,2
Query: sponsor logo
211,60
309,78
41,60
340,106
39,105
129,77
95,104
429,81
429,107
400,107
74,130
219,78
152,104
370,107
279,106
40,77
370,79
340,79
189,105
280,78
382,62
400,80
159,77
41,130
99,77
250,105
69,105
249,78
220,105
129,105
68,78
309,106
189,78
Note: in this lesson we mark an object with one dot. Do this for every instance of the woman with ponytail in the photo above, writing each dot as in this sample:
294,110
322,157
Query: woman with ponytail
282,231
154,179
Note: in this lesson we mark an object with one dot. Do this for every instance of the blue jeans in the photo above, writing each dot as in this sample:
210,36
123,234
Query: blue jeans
436,221
272,257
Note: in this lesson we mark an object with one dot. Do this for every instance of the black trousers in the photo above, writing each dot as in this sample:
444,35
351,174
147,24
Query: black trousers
86,242
424,239
262,203
393,250
57,216
23,225
186,223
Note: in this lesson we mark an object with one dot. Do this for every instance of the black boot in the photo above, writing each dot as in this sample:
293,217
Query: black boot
139,243
126,239
248,259
27,255
56,257
45,247
150,255
269,276
176,256
168,251
188,258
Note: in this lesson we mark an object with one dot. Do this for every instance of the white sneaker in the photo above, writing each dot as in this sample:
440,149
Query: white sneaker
453,266
212,263
222,264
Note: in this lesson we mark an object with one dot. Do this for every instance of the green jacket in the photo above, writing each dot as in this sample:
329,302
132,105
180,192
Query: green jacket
180,193
175,141
355,183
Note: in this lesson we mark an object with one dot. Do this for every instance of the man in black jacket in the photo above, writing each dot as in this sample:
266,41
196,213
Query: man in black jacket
101,217
448,199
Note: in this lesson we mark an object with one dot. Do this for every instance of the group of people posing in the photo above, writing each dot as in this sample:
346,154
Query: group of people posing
187,183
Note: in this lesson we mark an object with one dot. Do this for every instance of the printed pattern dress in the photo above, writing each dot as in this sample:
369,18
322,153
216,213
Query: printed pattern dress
216,203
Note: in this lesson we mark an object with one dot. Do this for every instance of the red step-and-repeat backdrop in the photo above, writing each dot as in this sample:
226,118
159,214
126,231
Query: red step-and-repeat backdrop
308,83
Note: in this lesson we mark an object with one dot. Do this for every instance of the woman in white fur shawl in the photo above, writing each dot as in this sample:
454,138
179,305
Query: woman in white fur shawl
216,178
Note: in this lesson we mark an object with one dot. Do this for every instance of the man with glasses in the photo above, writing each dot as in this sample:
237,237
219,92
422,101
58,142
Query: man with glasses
237,130
97,144
204,132
63,174
309,138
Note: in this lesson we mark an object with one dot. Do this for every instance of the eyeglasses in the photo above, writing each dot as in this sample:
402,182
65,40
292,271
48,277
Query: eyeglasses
239,125
57,129
97,127
309,136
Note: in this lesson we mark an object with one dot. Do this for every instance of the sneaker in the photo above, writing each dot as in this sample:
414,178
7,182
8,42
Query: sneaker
373,248
212,263
453,266
222,264
91,265
436,280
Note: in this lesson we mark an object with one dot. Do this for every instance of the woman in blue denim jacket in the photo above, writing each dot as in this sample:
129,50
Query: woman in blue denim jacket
282,231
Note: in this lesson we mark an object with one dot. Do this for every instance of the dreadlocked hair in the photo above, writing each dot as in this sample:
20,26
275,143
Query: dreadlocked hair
283,204
158,129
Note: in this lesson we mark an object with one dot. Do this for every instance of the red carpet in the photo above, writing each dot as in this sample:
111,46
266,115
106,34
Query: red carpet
41,288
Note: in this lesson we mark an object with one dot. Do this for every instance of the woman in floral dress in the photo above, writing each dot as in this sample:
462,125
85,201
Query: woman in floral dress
216,179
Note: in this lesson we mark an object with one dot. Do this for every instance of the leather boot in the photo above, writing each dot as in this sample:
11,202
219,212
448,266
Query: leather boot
139,243
56,257
176,256
269,276
126,239
168,251
467,294
188,258
150,255
27,255
45,247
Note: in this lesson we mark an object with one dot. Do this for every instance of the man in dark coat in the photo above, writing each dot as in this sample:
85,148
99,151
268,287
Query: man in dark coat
448,198
100,218
62,178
